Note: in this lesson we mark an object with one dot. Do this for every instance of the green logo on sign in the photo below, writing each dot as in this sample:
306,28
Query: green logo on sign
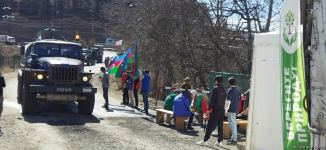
289,37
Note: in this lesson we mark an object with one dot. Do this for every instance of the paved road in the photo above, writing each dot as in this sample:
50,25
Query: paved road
59,127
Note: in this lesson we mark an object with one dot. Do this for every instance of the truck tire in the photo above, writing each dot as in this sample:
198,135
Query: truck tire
85,107
28,101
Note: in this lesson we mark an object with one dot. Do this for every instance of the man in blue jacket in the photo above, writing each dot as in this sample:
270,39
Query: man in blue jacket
181,105
145,89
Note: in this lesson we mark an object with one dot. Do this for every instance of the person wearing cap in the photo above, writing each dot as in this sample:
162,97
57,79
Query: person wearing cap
231,107
2,85
215,113
145,86
105,86
187,87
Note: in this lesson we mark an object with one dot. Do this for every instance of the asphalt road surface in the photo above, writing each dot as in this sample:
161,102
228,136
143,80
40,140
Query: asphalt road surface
59,127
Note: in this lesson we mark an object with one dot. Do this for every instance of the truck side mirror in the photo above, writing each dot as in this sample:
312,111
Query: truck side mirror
22,50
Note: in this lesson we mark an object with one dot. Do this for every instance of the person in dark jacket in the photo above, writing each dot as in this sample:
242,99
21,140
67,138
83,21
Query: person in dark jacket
136,90
215,113
125,97
105,86
145,89
130,87
187,87
2,85
231,107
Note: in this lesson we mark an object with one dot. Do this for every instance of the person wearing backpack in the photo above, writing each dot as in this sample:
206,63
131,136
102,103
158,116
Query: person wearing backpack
2,85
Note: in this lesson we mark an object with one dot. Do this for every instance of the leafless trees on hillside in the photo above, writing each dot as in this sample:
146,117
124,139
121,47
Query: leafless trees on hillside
190,38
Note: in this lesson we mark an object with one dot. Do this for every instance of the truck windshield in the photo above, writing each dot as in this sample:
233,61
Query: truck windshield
57,50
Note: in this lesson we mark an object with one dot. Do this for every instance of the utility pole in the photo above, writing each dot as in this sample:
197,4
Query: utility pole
306,15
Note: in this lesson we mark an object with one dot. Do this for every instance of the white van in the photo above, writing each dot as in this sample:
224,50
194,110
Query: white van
9,40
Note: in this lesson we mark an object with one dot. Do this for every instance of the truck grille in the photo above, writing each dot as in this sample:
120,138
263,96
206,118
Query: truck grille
64,74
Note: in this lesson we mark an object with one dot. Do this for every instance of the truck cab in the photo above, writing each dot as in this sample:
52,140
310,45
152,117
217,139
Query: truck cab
52,70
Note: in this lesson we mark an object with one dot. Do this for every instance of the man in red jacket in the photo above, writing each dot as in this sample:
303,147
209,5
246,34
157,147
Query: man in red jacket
215,113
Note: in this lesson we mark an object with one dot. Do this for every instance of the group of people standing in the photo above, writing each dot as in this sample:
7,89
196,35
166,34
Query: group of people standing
131,86
222,103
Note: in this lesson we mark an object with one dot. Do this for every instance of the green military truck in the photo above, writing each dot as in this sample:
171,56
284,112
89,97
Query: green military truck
52,70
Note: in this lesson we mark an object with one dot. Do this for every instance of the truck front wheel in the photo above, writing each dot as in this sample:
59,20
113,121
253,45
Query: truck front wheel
85,107
28,101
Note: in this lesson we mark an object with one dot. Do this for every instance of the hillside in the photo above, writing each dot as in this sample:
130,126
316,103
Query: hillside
24,29
9,51
70,16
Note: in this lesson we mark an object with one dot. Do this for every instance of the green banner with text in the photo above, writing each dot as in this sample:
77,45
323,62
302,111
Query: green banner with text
296,133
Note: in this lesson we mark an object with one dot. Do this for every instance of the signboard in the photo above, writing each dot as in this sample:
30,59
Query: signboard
296,133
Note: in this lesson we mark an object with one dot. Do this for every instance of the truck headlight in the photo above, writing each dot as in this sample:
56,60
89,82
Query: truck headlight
40,76
85,78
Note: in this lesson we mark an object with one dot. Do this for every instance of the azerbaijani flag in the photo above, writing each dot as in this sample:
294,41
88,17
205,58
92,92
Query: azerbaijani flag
117,62
124,65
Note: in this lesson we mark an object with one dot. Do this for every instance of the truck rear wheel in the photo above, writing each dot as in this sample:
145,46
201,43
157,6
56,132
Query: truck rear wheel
28,101
85,107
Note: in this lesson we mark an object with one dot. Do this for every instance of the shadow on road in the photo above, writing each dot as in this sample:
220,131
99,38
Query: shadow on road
182,131
60,115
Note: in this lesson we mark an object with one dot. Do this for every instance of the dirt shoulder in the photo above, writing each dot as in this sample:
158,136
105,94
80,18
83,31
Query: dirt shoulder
9,51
